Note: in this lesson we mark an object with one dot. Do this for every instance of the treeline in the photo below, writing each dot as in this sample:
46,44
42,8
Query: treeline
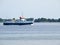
38,20
1,20
46,20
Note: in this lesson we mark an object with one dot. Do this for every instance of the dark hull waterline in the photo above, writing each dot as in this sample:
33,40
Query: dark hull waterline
17,23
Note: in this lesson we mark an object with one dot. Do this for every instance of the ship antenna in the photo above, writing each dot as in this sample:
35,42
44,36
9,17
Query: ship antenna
22,14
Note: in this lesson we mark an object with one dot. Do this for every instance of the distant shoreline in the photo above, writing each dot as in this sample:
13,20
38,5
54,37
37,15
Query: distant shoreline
42,22
37,20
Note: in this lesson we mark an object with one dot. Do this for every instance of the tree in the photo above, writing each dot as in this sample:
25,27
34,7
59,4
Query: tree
1,20
59,20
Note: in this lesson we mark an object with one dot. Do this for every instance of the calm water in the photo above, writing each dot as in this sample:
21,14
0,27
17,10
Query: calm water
36,31
36,34
36,28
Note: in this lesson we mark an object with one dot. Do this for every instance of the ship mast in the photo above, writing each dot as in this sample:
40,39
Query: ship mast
22,14
21,17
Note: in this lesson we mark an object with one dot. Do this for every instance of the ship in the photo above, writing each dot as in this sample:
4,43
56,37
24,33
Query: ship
20,21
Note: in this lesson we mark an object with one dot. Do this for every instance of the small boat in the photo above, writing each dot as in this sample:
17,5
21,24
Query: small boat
21,21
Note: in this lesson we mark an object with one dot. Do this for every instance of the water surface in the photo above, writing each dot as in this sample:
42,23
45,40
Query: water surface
36,34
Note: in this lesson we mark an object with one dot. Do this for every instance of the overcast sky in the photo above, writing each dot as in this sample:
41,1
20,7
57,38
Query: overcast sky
30,8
